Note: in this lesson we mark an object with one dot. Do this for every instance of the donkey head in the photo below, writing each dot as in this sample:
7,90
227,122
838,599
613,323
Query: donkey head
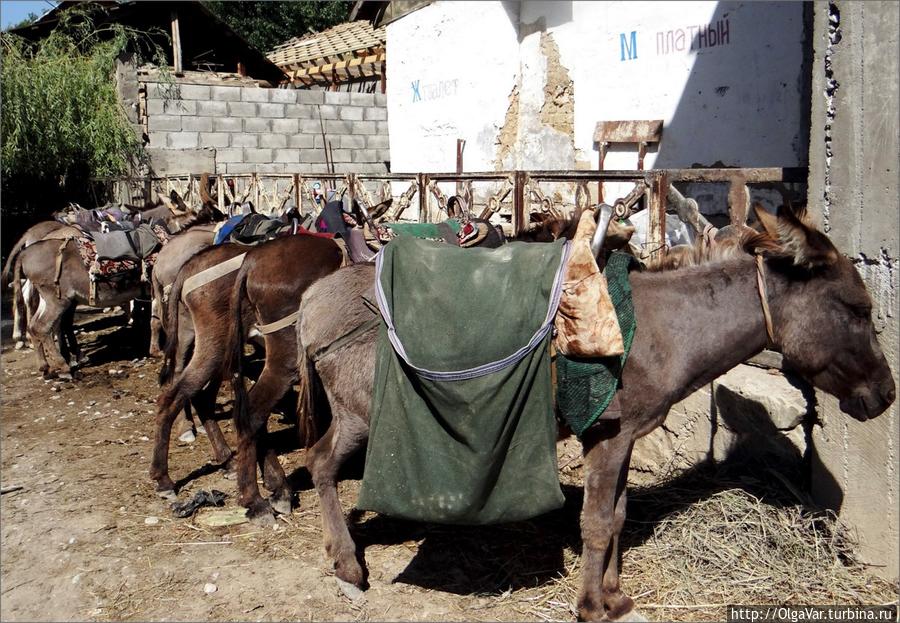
822,315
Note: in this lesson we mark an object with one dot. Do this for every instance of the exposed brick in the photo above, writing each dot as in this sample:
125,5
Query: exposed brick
250,94
341,155
353,142
298,111
165,122
234,154
271,110
301,141
242,109
311,97
365,127
364,155
257,155
194,92
375,114
351,113
212,109
257,125
328,112
310,126
312,155
226,94
183,140
283,96
272,140
285,126
197,124
244,140
377,141
214,139
340,127
287,155
362,99
227,124
339,98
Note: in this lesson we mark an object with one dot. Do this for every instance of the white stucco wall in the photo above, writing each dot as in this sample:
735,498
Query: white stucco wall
739,102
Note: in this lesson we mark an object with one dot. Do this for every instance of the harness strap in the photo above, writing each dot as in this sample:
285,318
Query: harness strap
764,298
59,261
345,340
211,274
278,325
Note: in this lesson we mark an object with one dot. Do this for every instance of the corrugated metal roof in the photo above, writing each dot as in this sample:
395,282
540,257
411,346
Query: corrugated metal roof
336,43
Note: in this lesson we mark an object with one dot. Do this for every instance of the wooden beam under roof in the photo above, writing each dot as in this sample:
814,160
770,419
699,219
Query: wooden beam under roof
329,68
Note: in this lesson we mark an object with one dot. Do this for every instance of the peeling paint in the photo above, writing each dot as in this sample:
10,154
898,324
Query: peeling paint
506,138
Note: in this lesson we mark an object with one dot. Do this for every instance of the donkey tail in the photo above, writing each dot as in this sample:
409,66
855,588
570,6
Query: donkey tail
308,390
11,260
173,312
234,349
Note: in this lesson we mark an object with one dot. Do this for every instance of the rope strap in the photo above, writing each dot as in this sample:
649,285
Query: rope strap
345,340
278,325
764,297
211,274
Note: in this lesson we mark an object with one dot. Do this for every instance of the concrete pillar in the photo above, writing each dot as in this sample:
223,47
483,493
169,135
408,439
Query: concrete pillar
853,190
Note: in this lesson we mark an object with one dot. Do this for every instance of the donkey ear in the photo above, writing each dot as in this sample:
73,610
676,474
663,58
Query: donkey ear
766,219
809,247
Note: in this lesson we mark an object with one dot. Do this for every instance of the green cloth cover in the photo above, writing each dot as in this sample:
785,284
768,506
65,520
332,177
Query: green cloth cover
475,451
585,387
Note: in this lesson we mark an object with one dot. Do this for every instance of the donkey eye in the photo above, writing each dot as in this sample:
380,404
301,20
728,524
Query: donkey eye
861,311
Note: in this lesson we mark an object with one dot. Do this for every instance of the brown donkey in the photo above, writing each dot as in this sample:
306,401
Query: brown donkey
694,324
273,275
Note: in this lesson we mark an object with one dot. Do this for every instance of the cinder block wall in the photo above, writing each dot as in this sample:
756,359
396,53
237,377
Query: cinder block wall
255,130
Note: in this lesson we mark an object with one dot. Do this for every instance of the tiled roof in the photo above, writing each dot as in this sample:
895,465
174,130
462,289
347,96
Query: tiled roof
337,43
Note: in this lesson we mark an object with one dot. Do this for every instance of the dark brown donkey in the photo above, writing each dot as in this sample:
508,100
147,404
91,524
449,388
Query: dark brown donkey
274,275
694,324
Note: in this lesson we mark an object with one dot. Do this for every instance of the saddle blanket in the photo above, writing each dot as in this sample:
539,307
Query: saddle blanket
102,267
462,421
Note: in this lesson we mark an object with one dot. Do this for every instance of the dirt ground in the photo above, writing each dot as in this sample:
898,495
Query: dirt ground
86,538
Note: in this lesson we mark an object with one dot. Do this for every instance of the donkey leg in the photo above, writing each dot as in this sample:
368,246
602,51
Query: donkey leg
205,406
345,436
607,451
44,325
155,327
21,292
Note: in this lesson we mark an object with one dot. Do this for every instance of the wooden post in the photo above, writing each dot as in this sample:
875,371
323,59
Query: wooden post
220,192
176,44
738,200
518,219
656,199
254,179
423,198
296,182
460,148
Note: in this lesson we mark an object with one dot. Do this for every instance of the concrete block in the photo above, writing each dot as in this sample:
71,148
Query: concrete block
377,141
283,96
244,140
254,94
165,123
155,107
257,125
312,155
271,110
301,141
311,126
181,161
227,124
194,91
240,167
214,139
230,155
258,155
285,126
242,109
270,167
340,127
225,94
362,99
272,140
183,140
352,142
382,155
158,139
212,109
351,113
310,97
375,114
298,111
197,124
342,155
365,127
381,99
339,98
287,155
327,111
364,155
383,128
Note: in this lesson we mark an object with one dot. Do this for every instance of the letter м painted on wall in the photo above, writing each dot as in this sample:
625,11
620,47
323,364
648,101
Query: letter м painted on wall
628,48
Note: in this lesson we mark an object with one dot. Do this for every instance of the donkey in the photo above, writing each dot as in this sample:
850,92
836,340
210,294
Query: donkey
58,274
694,324
273,276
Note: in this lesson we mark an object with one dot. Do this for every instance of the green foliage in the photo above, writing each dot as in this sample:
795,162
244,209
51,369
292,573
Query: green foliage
32,18
266,24
61,120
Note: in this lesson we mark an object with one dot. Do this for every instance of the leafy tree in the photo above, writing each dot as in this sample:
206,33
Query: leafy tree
266,24
32,18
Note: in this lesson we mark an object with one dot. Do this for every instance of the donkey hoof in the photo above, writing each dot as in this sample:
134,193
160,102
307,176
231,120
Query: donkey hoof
187,436
65,376
201,430
349,570
619,607
20,345
281,506
261,514
167,494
